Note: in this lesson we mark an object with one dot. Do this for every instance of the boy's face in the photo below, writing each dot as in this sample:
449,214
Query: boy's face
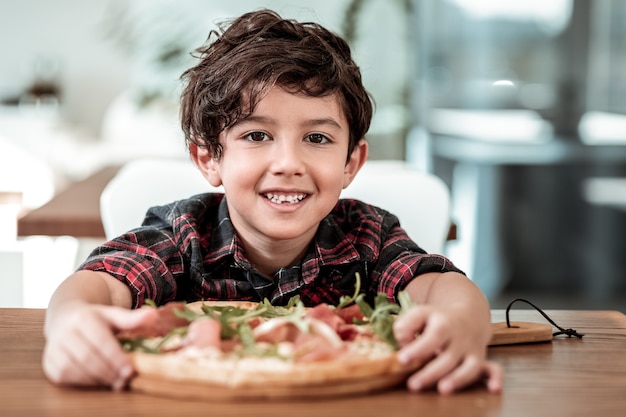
283,168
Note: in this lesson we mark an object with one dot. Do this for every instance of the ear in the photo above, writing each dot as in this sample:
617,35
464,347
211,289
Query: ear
356,161
205,162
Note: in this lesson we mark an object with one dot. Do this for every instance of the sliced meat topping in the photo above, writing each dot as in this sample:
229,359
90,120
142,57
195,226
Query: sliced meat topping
204,332
163,321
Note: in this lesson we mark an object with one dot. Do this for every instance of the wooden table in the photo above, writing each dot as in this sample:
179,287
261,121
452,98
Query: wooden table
75,211
565,377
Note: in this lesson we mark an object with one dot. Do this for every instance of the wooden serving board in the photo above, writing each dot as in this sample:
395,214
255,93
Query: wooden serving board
520,332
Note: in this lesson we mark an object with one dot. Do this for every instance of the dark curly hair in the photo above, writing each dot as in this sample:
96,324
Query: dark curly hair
260,50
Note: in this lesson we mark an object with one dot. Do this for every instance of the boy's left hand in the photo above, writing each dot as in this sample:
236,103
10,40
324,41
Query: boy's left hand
452,346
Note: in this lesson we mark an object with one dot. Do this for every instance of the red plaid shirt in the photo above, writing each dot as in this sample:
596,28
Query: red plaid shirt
189,250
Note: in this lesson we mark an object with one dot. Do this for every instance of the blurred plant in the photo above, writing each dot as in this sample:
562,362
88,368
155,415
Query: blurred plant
353,12
158,36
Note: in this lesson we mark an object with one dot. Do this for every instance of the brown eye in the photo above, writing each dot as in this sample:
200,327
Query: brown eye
257,136
317,138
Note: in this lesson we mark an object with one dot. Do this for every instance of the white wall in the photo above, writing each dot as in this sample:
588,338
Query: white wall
93,70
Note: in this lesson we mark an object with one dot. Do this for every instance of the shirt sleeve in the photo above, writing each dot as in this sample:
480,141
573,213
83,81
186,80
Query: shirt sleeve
401,260
147,260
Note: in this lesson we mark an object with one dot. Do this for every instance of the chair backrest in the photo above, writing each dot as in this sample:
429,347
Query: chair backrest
143,183
420,200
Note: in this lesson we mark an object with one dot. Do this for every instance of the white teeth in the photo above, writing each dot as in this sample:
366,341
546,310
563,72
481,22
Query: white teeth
281,198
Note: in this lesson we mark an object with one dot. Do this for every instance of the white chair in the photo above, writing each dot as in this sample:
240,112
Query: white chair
420,200
144,183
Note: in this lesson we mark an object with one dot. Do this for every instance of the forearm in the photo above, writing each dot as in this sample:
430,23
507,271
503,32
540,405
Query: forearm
455,292
88,287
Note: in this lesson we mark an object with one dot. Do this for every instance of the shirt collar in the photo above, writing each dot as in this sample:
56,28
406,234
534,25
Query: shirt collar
224,240
332,246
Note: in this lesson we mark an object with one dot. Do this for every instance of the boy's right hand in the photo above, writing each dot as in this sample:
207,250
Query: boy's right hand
81,347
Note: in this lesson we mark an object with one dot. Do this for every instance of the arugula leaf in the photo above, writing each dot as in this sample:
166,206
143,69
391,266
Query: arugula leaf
147,345
381,319
245,334
234,320
293,301
365,308
294,306
186,313
150,302
382,306
131,345
230,318
382,315
345,301
405,301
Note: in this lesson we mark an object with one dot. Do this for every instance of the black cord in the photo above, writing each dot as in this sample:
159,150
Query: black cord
567,332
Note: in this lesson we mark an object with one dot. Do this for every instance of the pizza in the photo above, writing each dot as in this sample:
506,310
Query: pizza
230,350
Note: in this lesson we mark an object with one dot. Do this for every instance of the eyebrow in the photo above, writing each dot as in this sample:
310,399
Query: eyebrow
323,121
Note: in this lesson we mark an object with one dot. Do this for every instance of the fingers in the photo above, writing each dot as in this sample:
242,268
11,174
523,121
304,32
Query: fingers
495,377
61,368
428,376
471,371
448,376
110,349
103,358
453,359
465,374
410,324
123,319
86,352
430,347
421,335
73,359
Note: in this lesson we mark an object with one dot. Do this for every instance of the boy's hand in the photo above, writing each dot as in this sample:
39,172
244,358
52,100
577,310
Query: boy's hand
81,348
452,346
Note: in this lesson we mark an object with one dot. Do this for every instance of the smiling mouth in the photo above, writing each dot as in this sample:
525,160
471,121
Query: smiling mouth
285,198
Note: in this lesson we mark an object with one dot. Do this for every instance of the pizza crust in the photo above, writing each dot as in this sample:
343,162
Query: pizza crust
208,392
185,378
248,371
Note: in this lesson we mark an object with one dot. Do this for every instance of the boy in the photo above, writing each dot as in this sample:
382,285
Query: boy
275,111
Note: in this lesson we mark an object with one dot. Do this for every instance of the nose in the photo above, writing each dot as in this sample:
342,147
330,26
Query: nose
287,157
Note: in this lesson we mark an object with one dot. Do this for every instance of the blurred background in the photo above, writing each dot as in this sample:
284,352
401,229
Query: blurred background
518,106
